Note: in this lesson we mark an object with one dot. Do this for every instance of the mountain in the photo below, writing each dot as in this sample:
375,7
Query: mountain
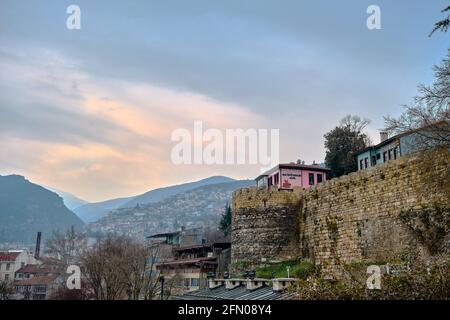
162,193
91,212
26,208
70,200
199,207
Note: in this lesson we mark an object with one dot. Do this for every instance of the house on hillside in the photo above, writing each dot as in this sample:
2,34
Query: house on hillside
13,260
293,175
394,147
38,287
35,270
191,265
165,242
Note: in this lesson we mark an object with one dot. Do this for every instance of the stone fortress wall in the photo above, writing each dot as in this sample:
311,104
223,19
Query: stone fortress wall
349,219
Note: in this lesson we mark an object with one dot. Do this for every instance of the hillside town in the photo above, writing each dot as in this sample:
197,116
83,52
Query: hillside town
223,157
187,255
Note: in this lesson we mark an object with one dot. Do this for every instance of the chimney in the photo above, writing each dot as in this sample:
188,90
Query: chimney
383,136
37,250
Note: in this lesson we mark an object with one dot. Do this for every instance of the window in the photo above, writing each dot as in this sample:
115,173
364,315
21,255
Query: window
366,162
361,164
195,282
7,277
8,265
390,154
373,161
395,153
384,156
311,179
22,264
319,178
378,156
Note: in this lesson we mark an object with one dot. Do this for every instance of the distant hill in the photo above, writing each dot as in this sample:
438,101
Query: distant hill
26,208
93,211
70,200
162,193
199,207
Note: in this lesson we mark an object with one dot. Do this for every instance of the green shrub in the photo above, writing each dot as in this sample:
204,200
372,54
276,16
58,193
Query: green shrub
424,281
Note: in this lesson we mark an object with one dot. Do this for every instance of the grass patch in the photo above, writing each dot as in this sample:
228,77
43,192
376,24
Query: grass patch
298,269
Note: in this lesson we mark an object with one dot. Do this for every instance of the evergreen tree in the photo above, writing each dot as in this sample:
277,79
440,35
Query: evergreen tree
225,222
342,142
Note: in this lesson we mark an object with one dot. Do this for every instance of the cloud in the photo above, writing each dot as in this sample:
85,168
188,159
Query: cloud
103,137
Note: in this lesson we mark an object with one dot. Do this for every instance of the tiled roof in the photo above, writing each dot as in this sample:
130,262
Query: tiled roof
34,268
8,256
41,280
239,293
187,261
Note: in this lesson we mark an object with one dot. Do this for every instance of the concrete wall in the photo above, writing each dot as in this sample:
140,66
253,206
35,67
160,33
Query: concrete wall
344,220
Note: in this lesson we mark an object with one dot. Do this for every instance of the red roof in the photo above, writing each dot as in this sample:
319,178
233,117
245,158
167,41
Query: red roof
35,269
8,256
41,280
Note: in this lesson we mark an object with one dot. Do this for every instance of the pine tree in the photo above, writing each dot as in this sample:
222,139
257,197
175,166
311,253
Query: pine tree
225,222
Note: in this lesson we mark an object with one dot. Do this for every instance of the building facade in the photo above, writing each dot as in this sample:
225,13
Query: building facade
399,145
13,260
191,264
38,287
292,175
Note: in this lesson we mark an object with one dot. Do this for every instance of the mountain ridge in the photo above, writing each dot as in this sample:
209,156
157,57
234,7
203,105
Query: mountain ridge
26,208
92,212
199,207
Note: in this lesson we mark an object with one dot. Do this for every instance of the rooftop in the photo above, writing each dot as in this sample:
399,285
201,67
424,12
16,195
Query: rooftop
398,136
188,261
222,245
8,256
41,280
238,293
293,165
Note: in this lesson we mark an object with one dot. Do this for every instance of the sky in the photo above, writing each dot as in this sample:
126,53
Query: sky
91,111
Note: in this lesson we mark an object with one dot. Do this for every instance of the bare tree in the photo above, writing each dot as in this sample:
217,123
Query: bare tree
150,283
66,246
354,123
6,289
429,111
118,267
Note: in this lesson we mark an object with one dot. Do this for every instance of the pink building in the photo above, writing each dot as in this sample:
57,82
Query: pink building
290,175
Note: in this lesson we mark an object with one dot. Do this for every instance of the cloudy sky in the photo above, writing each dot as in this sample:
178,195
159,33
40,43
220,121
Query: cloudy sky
91,111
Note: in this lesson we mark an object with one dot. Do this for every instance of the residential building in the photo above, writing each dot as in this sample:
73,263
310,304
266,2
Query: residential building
37,287
394,147
36,270
293,175
191,264
13,260
177,238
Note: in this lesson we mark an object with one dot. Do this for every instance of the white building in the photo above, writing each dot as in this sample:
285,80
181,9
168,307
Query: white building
13,260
